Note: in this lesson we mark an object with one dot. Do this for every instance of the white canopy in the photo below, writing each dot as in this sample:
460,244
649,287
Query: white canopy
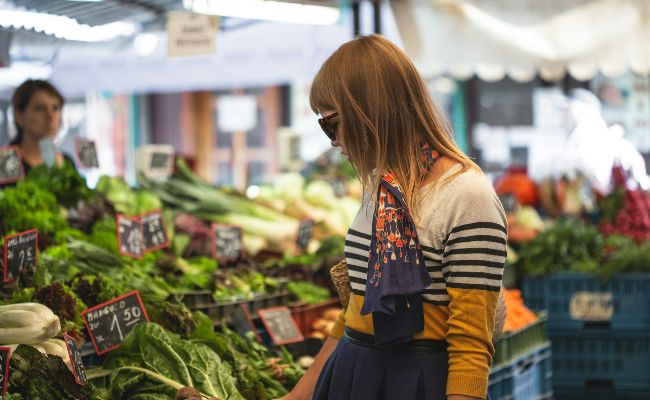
520,38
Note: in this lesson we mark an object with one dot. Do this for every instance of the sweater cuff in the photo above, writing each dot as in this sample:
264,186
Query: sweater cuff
467,385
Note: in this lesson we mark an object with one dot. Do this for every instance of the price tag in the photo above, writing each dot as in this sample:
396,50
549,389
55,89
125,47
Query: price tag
86,153
153,232
281,326
78,369
305,230
20,251
241,319
5,355
228,242
110,322
11,165
160,160
509,202
129,236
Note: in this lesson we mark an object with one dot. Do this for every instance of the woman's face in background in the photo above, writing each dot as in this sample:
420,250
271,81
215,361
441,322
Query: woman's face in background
41,118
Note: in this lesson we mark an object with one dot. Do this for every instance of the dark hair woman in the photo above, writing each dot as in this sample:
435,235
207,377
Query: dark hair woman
37,106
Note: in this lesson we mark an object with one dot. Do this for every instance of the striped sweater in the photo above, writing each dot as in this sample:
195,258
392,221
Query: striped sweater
461,226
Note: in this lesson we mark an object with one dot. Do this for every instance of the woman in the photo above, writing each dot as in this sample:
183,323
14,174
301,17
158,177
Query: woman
37,108
425,254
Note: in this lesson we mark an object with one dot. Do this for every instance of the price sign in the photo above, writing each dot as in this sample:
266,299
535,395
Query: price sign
110,322
154,233
241,319
20,251
281,326
78,369
129,236
228,242
11,165
86,153
509,202
160,160
5,355
305,230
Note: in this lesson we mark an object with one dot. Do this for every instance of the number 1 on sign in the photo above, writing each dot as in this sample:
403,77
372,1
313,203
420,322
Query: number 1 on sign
116,323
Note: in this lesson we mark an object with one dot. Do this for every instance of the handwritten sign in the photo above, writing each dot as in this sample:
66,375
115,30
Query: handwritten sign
587,306
154,232
241,319
305,230
11,165
281,326
86,153
78,369
110,322
5,355
20,251
191,34
129,236
228,242
160,160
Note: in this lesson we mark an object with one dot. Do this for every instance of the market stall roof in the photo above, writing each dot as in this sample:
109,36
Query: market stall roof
521,38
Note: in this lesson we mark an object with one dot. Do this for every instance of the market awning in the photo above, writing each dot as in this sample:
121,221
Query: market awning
522,38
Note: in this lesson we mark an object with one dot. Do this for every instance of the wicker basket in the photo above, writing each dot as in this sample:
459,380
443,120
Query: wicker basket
341,279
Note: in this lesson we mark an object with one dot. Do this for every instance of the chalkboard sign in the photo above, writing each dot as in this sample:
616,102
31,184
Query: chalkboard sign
86,153
228,242
5,355
110,322
305,230
509,202
160,160
78,369
154,233
281,326
129,236
241,319
20,251
11,165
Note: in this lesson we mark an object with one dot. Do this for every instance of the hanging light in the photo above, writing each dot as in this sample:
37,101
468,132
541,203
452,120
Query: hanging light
277,11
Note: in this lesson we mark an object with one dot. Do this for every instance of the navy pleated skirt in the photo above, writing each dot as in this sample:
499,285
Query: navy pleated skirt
356,371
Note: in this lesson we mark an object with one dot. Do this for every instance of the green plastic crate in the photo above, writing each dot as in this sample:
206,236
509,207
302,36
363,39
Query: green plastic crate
513,344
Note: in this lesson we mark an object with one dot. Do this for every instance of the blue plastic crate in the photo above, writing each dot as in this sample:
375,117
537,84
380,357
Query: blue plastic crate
526,378
625,296
598,394
601,361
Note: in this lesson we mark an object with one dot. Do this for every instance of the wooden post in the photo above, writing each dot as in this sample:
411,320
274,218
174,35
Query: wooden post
205,134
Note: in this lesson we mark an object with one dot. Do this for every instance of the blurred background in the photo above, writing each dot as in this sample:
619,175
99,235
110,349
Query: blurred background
551,98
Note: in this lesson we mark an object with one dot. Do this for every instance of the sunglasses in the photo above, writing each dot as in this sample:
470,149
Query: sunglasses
329,127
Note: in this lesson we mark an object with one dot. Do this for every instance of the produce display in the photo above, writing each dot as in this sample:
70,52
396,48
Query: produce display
518,316
79,267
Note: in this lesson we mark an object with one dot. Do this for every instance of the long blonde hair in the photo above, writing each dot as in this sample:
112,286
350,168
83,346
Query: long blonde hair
385,113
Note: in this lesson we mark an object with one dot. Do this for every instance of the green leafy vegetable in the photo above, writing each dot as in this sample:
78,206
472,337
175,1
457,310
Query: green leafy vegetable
308,292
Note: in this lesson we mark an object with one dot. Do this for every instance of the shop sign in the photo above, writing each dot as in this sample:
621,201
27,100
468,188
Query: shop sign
228,242
190,34
280,325
11,165
20,251
110,322
76,362
86,153
5,355
587,306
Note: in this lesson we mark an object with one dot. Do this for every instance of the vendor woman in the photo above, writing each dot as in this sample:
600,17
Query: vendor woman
425,254
37,106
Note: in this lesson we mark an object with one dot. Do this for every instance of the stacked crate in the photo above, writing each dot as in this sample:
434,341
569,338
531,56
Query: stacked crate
600,333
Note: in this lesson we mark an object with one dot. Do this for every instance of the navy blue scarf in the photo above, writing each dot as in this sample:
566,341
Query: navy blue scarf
397,274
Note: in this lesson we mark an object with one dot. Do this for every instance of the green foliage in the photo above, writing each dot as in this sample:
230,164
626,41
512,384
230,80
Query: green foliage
27,206
308,292
64,182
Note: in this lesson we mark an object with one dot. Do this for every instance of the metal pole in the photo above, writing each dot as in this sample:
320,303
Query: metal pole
356,17
376,8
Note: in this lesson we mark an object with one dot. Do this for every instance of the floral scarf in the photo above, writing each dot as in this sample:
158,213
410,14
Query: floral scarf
397,274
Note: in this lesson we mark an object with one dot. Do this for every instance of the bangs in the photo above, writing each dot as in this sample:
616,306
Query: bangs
321,95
